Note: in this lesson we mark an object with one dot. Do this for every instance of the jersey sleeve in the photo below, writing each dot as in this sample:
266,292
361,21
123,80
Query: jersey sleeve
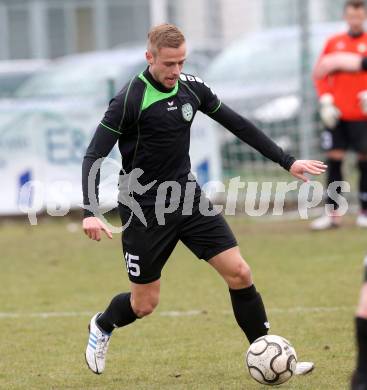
247,132
120,115
208,100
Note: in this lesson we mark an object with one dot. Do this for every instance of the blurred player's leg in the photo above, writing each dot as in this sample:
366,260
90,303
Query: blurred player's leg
334,174
334,162
358,142
333,220
359,380
362,218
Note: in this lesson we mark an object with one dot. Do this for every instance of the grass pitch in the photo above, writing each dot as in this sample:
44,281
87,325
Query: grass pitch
309,282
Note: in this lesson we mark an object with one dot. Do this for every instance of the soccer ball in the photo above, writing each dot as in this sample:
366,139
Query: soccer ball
271,360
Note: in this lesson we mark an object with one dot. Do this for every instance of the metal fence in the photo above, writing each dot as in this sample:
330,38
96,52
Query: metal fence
274,88
50,28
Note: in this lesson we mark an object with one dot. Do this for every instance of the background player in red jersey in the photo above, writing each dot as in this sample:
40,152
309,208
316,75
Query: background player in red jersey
343,110
332,64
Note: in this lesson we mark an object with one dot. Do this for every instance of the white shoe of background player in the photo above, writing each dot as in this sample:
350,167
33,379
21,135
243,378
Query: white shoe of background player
361,220
326,222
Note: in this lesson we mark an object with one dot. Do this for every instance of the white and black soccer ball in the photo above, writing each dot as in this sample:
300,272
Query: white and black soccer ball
271,360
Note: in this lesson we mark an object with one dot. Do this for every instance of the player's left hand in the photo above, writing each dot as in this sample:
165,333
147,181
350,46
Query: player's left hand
300,167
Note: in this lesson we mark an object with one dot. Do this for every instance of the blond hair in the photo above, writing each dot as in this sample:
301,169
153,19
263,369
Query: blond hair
164,35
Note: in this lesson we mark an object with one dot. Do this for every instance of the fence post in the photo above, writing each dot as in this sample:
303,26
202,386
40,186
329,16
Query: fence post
158,12
111,88
306,87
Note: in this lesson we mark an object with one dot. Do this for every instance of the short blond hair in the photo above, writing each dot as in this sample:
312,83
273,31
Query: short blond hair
164,35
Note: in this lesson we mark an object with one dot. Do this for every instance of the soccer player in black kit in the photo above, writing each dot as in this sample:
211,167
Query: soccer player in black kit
150,118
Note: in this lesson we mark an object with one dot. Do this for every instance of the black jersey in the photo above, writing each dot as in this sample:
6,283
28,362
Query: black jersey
152,127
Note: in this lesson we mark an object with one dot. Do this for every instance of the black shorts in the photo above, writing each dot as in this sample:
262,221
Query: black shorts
147,248
347,135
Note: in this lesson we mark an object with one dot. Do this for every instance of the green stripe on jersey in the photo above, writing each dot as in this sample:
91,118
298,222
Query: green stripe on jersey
110,128
216,109
152,95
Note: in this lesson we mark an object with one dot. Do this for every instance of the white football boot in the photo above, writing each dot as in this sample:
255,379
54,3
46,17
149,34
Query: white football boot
303,368
95,354
361,220
326,222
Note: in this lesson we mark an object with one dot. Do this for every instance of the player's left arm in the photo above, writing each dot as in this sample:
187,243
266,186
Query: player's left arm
247,132
250,134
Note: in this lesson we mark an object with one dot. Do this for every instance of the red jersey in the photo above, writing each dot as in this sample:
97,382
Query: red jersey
345,86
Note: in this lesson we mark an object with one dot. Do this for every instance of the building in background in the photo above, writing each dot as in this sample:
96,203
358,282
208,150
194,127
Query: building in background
51,28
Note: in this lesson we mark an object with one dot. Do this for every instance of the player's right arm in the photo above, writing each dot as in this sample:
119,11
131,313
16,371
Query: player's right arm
117,117
100,146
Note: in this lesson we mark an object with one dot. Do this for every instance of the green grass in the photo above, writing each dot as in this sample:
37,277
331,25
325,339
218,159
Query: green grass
46,268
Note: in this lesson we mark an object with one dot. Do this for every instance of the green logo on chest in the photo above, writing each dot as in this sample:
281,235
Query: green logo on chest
187,112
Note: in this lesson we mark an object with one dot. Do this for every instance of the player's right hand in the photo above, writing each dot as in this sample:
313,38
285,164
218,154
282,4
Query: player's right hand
93,226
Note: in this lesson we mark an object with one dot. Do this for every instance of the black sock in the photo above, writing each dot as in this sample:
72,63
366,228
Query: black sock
362,165
361,333
119,313
250,313
334,174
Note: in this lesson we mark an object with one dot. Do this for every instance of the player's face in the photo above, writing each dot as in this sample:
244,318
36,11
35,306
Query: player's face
355,17
166,65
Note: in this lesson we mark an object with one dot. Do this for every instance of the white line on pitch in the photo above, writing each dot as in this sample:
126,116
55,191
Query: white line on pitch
189,313
321,309
55,314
